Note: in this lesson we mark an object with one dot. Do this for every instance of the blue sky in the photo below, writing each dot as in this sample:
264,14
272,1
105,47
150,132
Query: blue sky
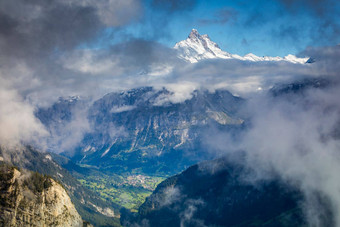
274,28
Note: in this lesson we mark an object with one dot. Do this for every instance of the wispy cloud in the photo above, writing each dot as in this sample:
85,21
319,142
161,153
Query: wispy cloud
221,16
295,137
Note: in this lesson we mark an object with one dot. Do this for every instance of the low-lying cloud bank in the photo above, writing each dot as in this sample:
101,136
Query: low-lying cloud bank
294,137
298,140
17,121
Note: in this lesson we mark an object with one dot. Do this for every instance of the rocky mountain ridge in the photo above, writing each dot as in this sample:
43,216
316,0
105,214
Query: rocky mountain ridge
199,47
144,129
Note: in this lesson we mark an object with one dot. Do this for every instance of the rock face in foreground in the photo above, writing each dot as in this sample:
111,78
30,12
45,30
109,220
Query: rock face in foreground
87,203
31,199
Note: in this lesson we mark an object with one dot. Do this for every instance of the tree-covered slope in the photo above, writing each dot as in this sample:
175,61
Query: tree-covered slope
219,193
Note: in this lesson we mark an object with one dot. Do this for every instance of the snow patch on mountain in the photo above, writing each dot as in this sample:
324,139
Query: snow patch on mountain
199,47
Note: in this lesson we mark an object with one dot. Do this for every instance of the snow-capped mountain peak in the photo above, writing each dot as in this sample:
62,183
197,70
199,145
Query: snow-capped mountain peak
194,34
199,47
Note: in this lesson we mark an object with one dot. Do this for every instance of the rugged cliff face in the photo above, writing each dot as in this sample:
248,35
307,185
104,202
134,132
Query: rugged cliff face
145,129
87,203
31,199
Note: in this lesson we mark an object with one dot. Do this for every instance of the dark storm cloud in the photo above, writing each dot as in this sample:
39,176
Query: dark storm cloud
33,34
37,27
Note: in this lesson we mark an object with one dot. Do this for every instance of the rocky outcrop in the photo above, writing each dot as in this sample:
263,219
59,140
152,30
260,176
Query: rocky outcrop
31,199
29,158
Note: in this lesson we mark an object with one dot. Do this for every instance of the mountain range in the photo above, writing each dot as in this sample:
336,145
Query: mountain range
226,192
142,130
200,47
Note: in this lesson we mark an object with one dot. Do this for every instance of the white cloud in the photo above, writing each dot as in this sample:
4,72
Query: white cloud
295,139
92,62
119,109
17,121
178,93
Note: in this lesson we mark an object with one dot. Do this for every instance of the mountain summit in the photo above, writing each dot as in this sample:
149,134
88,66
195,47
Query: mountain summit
199,47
